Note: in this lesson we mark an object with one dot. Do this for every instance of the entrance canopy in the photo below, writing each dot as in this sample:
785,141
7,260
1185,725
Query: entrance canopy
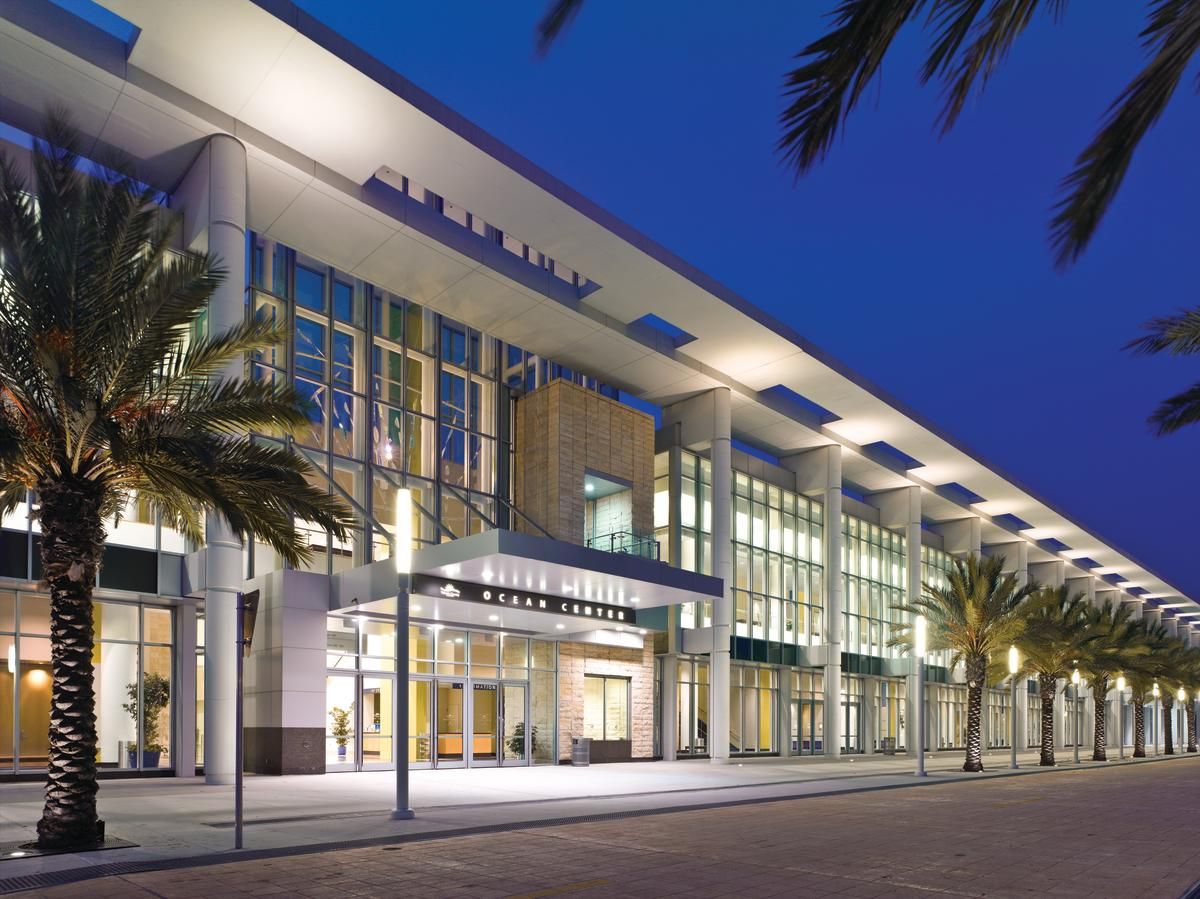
523,582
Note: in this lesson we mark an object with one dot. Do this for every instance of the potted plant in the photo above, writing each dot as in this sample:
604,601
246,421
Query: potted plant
516,742
340,729
156,696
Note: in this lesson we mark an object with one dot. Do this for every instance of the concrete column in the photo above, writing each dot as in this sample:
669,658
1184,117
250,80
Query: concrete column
183,740
669,711
961,537
900,510
819,474
1048,574
722,542
213,195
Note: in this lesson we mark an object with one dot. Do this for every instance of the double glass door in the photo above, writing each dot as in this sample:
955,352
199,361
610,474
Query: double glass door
359,712
456,723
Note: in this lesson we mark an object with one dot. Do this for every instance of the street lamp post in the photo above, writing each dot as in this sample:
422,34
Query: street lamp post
1075,713
1014,665
1181,695
1157,723
920,641
402,553
1121,715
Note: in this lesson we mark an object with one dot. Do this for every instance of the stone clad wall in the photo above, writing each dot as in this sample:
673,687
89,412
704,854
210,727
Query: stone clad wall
564,430
577,659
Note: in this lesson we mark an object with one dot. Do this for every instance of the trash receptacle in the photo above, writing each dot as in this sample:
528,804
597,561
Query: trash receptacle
581,751
888,745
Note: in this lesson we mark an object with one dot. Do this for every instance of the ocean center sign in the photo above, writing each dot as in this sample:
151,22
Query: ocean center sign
507,597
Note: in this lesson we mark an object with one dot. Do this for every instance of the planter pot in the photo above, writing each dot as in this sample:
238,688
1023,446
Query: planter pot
149,759
341,753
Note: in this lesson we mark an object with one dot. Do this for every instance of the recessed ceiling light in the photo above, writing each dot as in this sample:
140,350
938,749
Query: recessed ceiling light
493,617
635,599
560,626
589,487
620,627
642,632
414,608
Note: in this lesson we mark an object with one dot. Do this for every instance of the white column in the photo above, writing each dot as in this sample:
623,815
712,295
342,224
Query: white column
225,158
722,519
834,589
669,722
183,741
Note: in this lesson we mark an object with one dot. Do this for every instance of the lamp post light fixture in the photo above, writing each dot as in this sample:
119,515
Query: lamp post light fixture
1157,723
1121,715
1075,713
402,555
920,644
1014,665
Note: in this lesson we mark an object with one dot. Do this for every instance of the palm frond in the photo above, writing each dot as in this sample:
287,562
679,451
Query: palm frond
991,40
1173,37
834,71
1177,411
554,22
1176,335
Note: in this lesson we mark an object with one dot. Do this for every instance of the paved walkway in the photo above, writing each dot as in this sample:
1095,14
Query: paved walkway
1118,831
184,819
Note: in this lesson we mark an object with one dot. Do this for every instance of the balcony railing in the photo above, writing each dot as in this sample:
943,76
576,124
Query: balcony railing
630,543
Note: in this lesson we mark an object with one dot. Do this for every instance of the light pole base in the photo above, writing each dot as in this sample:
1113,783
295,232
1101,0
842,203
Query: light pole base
403,814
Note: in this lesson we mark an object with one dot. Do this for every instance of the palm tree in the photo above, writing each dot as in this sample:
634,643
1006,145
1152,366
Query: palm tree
1189,677
1142,675
977,614
970,39
108,388
1175,335
1053,640
1112,646
1172,666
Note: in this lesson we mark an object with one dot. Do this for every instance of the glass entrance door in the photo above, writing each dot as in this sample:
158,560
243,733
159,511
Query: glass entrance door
515,724
853,714
420,723
377,708
485,722
449,735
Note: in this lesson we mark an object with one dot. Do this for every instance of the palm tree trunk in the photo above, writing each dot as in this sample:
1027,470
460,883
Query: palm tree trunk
1046,685
1168,705
72,542
1100,703
1190,711
976,673
1139,727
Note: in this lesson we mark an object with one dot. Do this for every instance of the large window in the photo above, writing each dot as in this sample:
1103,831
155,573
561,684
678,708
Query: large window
134,681
605,707
692,697
753,705
776,563
874,577
397,396
936,566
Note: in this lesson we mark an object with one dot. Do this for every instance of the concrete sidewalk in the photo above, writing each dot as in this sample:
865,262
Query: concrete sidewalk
184,818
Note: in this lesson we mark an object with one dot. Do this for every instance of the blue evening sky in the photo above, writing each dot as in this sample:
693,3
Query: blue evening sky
921,263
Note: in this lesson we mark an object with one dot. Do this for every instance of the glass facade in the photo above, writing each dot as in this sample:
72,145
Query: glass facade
133,661
936,566
808,712
691,676
874,577
753,710
777,575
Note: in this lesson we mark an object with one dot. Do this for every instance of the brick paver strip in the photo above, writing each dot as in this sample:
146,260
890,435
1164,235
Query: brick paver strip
1121,832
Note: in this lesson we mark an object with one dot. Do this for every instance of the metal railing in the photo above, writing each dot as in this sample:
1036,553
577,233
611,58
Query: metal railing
630,543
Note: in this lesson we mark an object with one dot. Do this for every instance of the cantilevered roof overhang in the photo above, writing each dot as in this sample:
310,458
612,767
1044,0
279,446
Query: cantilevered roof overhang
511,564
321,118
